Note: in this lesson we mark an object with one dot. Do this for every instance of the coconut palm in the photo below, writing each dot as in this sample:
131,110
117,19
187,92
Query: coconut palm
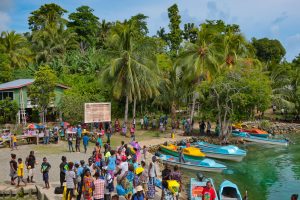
53,43
17,48
199,60
132,70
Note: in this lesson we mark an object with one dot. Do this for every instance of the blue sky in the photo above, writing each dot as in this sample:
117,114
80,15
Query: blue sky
257,18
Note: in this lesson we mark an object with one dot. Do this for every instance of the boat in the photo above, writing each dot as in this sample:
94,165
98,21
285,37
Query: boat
256,132
229,191
245,136
188,152
196,188
206,164
229,152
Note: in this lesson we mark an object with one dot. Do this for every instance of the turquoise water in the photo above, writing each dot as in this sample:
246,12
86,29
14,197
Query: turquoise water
267,172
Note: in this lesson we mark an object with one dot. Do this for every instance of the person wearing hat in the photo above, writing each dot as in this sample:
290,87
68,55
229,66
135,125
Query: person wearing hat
139,193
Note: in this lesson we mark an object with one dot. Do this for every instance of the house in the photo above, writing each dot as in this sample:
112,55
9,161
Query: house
18,90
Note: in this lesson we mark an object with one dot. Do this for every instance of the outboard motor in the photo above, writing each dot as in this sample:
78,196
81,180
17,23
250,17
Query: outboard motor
200,176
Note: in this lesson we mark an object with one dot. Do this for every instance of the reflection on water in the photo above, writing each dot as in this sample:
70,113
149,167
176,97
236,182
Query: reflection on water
267,172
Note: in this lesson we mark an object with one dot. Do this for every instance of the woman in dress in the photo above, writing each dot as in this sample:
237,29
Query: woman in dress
87,188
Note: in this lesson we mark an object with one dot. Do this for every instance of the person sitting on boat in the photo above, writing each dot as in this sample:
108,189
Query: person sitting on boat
208,192
181,156
294,197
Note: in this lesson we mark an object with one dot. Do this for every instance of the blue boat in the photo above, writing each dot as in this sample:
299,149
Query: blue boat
197,186
206,164
229,191
229,152
247,137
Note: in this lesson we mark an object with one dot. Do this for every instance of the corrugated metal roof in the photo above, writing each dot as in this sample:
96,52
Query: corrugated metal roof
21,83
16,84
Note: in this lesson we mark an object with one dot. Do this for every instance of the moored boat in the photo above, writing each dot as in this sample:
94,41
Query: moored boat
229,152
229,191
206,164
256,132
197,186
245,136
188,152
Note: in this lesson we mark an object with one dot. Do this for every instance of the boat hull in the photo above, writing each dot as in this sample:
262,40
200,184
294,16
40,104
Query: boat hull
226,185
259,135
223,157
260,140
188,165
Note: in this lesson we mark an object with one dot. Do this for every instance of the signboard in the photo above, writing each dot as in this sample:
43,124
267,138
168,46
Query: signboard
97,112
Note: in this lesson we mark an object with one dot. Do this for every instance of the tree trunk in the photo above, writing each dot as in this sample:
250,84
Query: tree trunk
126,110
173,110
193,106
134,107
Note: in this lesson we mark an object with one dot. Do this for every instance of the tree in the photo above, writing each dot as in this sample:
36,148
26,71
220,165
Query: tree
198,60
5,70
17,49
53,43
47,15
268,51
8,111
235,95
175,35
86,25
41,92
132,69
190,32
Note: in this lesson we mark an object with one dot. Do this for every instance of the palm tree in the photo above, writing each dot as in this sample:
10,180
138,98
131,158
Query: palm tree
17,48
132,69
199,60
53,43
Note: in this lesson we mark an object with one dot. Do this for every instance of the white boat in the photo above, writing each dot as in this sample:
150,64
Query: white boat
245,136
196,188
206,164
229,152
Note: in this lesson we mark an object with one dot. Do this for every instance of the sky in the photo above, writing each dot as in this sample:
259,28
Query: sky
274,19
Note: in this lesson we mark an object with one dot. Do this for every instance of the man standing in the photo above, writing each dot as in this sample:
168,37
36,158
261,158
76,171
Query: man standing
62,168
208,192
85,141
30,163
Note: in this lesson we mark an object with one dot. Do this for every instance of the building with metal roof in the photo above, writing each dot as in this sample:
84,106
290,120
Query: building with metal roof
17,90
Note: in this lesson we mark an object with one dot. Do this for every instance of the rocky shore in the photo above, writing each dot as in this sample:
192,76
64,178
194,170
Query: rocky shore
275,128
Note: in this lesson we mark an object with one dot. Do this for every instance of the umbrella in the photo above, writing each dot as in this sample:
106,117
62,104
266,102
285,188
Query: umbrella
31,126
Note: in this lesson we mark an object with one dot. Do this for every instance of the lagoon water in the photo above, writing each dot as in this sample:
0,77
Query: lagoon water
267,172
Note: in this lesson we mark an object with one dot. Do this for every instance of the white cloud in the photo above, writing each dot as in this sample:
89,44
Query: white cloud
4,21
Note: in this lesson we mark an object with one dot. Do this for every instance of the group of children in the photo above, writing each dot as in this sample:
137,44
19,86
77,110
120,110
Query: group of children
17,169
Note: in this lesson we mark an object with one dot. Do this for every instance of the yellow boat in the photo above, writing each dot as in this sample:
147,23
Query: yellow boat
188,152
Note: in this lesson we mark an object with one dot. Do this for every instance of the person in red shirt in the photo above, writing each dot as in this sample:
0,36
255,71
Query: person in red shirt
208,192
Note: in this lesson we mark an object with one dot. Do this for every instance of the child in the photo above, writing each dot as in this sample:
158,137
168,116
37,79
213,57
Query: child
20,172
13,169
45,167
14,142
132,130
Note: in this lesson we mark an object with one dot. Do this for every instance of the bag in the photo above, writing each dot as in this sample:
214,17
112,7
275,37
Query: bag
151,191
59,190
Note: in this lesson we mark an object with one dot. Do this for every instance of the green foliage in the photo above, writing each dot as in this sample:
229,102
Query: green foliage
5,70
190,32
175,35
8,111
17,49
41,92
47,15
86,25
268,50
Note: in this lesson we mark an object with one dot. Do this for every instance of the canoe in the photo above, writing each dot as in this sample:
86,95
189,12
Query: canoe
206,164
229,152
245,136
256,132
229,191
189,152
196,188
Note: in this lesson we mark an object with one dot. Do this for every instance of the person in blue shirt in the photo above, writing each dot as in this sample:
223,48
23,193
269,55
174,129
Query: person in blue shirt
79,131
85,141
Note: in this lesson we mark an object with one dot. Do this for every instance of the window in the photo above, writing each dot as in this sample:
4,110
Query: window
4,95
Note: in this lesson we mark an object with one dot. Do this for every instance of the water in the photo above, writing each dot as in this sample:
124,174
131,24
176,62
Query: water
267,172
